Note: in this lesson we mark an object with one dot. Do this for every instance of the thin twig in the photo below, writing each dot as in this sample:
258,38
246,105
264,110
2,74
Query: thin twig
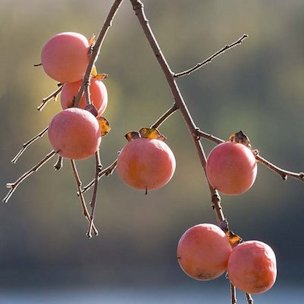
13,186
208,136
81,196
96,50
165,116
94,197
48,98
283,173
233,294
28,143
213,56
249,298
105,172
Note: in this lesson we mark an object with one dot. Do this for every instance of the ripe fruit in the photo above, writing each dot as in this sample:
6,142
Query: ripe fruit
145,163
74,133
252,267
65,56
98,95
203,252
231,168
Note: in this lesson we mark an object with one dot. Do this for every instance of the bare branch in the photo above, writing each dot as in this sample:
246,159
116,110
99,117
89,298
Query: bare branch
165,116
283,173
213,56
13,186
96,50
82,199
28,143
105,172
233,294
249,298
201,134
138,7
48,98
94,197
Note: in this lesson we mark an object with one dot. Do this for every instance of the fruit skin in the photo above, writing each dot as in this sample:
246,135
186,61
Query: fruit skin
145,163
203,252
98,95
231,168
74,133
252,267
65,56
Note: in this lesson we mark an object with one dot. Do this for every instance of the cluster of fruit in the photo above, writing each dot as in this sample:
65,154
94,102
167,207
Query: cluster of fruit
146,162
75,131
205,252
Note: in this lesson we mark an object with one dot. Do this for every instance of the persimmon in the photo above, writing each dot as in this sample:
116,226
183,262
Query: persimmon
74,133
65,56
146,163
252,267
98,95
203,252
231,168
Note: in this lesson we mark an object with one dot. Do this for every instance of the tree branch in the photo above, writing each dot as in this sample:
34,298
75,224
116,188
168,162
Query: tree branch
249,298
82,199
13,186
96,50
105,172
94,197
179,101
165,116
48,98
28,143
283,173
213,56
233,294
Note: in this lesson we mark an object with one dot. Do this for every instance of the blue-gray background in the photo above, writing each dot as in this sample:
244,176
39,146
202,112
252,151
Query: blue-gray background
257,87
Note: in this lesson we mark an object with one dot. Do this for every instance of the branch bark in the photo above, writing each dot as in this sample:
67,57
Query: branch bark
96,50
138,7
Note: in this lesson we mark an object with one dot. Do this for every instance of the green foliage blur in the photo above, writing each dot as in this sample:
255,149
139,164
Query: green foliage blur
257,87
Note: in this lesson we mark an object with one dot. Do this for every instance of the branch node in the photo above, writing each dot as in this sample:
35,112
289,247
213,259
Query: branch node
196,134
137,5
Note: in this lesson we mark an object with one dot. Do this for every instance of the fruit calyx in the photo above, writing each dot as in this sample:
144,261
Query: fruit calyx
241,138
150,133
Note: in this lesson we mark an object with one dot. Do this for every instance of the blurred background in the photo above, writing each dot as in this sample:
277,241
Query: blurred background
257,87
